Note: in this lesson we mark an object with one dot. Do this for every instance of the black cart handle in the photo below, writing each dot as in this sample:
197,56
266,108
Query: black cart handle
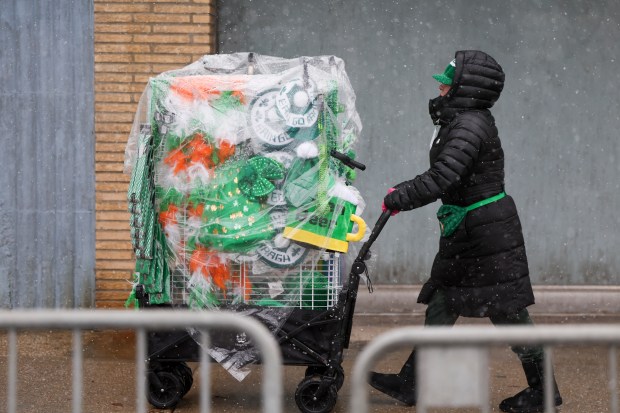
383,219
347,160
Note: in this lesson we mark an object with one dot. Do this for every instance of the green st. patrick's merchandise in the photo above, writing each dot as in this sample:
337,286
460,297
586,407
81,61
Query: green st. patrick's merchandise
234,197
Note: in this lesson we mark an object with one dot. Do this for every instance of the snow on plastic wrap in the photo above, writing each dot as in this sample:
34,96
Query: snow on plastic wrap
234,196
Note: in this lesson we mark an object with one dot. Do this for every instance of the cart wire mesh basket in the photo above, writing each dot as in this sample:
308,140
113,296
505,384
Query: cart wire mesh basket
313,284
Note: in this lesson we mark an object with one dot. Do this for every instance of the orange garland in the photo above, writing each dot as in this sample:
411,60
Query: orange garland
209,264
205,87
169,216
177,160
198,151
196,210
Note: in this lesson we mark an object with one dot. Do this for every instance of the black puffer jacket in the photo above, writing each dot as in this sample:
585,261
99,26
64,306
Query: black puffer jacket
482,267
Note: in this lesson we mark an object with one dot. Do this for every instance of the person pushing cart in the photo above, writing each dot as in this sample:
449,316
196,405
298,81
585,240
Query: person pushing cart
481,267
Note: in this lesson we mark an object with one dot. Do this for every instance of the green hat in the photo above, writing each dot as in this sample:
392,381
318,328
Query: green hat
448,75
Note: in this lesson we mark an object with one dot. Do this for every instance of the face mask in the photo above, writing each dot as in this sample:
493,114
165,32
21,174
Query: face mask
435,106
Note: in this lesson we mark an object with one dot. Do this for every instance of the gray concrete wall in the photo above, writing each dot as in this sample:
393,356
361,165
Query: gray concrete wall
47,201
558,115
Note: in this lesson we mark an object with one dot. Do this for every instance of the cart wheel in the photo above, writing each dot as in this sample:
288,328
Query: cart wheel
309,402
320,371
169,393
185,372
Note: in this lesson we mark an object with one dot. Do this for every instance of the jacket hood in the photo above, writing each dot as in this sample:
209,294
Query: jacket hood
478,82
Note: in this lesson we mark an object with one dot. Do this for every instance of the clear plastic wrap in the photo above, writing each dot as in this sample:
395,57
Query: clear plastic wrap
235,198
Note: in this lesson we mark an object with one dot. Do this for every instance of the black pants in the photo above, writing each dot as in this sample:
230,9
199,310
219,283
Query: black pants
439,313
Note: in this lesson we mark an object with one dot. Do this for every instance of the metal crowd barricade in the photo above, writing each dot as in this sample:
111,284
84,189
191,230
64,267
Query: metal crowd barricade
483,337
141,322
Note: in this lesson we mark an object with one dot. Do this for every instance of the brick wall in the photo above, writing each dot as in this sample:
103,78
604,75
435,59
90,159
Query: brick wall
134,40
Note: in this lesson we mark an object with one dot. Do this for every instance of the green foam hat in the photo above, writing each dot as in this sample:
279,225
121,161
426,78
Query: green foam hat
448,75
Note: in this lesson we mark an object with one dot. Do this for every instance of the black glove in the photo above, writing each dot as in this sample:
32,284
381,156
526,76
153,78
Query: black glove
398,200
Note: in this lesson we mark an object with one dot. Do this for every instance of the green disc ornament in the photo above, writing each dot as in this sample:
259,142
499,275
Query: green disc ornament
285,257
266,123
297,105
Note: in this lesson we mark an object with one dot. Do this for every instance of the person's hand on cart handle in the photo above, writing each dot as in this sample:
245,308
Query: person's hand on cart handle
385,208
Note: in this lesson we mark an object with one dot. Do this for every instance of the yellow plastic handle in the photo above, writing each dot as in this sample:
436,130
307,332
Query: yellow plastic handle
361,229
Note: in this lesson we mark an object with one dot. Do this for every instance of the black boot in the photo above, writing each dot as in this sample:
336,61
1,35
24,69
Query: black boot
400,386
532,399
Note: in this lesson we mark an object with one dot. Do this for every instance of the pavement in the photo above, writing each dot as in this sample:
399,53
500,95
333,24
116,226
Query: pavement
44,362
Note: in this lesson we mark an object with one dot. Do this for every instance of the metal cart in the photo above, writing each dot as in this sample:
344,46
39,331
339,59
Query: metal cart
315,338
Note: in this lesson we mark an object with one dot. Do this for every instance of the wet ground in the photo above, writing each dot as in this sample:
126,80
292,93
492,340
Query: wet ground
44,366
